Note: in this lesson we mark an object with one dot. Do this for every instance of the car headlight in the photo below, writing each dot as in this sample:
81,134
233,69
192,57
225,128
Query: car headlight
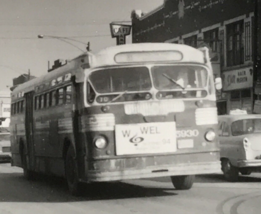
210,135
100,142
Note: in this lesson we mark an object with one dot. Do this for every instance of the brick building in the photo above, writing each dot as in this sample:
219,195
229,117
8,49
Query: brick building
227,27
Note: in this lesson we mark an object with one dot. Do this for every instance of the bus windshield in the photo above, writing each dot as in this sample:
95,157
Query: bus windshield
121,79
171,81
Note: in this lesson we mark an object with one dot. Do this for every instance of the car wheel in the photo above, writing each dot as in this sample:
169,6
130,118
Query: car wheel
245,171
230,172
71,172
183,182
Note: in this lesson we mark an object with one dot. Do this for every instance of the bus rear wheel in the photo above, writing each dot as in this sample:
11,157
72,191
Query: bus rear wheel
28,174
183,182
71,171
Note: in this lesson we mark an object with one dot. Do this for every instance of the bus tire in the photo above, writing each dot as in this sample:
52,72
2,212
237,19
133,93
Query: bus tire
28,174
71,171
230,172
183,182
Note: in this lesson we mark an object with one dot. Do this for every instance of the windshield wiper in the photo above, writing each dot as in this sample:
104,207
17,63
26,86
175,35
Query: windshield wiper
174,81
119,96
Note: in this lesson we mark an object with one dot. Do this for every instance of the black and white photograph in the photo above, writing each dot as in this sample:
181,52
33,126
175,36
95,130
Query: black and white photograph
130,107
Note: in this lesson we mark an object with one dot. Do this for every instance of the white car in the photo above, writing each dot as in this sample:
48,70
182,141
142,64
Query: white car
240,144
5,146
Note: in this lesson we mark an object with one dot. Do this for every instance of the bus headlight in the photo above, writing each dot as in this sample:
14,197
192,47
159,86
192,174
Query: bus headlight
210,135
100,142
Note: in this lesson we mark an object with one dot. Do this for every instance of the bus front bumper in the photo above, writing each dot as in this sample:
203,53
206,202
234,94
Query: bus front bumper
151,172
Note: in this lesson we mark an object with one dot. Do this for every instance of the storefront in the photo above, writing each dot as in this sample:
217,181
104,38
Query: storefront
238,84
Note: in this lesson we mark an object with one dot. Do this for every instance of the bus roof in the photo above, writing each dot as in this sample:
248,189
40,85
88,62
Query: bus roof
108,56
116,55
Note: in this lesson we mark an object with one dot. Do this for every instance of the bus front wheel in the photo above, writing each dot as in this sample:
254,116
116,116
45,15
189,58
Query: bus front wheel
183,182
71,171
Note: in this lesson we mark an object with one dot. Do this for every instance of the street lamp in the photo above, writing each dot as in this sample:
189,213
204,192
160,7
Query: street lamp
64,39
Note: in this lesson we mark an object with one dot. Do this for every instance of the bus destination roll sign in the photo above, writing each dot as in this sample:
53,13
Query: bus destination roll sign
120,31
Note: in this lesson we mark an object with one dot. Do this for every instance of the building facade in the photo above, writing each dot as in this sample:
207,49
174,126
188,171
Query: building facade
226,27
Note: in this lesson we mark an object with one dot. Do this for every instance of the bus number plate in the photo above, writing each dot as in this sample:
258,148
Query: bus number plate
146,138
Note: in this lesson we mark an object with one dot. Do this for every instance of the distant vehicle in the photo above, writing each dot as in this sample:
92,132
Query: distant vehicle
5,145
128,112
240,144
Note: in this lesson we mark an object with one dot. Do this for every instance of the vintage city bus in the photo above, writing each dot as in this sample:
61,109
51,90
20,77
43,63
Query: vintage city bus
128,112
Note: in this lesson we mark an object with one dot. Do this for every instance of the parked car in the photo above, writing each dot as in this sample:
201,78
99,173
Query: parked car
5,145
240,144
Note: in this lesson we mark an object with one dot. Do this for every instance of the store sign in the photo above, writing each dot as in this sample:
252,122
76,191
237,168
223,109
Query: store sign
238,79
120,32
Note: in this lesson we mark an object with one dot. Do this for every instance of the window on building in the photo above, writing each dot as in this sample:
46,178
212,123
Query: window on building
211,38
191,41
235,43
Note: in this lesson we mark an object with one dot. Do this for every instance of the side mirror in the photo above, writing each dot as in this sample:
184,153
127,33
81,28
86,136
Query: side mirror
218,83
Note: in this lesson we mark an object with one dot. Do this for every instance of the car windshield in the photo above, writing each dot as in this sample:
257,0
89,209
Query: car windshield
121,79
246,126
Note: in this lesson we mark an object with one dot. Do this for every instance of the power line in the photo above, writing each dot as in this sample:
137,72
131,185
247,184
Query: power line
33,38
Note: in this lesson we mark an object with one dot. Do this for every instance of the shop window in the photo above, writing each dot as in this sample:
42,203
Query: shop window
235,43
235,95
191,41
246,93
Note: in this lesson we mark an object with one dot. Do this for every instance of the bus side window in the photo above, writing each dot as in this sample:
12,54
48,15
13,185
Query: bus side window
42,101
53,98
22,106
36,102
60,96
39,101
90,93
18,106
68,94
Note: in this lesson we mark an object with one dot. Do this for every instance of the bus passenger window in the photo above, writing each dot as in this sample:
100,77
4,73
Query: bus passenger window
39,102
48,101
42,101
36,104
68,94
17,107
60,96
53,98
22,106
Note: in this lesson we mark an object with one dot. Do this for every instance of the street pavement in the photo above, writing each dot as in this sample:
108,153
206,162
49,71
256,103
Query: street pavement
48,195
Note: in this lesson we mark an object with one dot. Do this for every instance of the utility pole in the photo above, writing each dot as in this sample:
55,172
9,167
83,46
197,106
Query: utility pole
28,76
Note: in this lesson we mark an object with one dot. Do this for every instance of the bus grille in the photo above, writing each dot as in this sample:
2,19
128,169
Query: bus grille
97,122
154,108
206,116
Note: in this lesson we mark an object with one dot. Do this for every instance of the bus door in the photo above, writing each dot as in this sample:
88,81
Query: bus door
29,128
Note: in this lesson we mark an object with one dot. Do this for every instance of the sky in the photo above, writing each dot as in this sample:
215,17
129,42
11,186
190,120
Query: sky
21,21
